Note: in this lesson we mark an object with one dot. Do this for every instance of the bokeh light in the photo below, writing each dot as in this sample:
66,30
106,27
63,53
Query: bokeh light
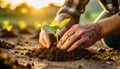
36,3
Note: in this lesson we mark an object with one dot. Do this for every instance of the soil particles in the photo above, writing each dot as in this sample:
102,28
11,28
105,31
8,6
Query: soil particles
25,52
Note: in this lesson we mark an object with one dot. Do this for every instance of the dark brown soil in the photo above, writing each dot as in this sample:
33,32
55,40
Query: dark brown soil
27,50
6,45
55,54
25,31
10,34
36,36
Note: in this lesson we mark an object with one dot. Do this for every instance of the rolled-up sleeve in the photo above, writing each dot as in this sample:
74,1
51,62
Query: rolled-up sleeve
74,7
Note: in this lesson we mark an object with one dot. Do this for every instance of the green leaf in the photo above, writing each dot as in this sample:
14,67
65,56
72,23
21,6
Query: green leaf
54,23
48,29
64,22
55,28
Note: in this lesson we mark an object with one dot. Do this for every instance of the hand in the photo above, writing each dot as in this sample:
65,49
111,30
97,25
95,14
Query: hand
80,36
44,38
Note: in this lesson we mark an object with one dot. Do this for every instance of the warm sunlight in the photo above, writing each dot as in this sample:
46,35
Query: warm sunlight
36,3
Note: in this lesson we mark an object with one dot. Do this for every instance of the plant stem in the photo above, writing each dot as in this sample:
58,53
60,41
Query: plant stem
56,35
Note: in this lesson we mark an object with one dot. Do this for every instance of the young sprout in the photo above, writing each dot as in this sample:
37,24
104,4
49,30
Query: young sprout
22,25
54,27
37,25
6,25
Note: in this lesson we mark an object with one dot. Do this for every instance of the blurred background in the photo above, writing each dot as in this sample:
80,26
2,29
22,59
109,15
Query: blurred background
31,11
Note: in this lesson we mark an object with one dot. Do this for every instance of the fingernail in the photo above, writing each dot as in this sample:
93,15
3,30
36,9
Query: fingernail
68,50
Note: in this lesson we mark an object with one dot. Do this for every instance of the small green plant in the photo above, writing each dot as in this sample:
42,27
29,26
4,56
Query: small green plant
54,27
22,25
6,25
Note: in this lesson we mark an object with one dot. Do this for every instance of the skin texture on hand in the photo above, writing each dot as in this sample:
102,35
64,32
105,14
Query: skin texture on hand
83,36
80,36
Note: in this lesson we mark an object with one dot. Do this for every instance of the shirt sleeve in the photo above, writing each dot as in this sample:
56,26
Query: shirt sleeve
74,7
112,6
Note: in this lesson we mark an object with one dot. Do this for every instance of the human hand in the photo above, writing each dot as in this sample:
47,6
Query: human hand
44,37
80,36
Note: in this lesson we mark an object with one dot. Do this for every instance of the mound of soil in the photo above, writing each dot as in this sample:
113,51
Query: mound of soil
9,34
10,63
55,54
6,45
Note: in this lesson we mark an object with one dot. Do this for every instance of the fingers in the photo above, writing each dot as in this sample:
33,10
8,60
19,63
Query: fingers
65,37
76,44
42,42
69,42
46,40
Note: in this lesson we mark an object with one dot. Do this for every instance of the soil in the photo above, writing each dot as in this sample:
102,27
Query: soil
6,45
24,31
10,34
27,51
55,54
36,36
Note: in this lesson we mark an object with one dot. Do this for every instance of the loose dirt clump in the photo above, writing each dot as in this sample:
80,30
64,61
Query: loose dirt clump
6,45
107,54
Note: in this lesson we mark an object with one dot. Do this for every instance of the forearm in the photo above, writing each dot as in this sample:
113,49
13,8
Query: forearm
110,26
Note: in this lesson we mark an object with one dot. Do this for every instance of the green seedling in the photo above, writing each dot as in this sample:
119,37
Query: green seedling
6,25
54,27
22,25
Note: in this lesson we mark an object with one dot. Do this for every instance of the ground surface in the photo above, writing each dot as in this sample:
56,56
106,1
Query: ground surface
25,43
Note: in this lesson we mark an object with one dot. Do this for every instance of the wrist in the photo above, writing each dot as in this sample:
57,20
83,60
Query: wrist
99,30
110,26
71,11
63,16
